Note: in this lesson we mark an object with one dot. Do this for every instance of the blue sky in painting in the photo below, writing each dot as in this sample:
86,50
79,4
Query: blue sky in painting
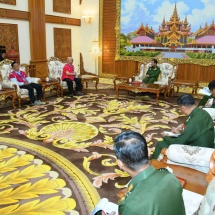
152,12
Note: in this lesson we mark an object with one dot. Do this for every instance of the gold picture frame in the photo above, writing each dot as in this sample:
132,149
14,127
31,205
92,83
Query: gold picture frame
202,62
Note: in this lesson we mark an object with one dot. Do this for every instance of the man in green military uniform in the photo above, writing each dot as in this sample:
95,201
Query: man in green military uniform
198,129
151,191
209,101
152,73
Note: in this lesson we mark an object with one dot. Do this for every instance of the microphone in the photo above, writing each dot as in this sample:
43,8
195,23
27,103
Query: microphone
78,69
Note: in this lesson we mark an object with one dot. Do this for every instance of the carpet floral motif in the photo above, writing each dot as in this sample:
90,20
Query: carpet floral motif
25,182
92,121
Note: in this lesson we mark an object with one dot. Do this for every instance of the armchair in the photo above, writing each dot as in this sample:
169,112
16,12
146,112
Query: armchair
5,69
87,76
203,160
199,158
167,75
55,68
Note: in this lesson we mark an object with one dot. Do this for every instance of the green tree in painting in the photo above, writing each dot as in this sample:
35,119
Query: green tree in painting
132,35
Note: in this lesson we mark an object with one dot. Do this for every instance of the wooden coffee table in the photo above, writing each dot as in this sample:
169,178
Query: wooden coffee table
189,83
5,93
51,85
122,79
137,88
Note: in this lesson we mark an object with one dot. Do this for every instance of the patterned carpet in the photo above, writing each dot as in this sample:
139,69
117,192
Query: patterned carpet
58,158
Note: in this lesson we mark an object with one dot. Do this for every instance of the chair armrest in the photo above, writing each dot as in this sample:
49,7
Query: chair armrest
35,80
191,156
54,78
211,174
164,153
9,84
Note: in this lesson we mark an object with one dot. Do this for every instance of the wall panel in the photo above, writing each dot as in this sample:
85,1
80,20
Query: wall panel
9,36
62,43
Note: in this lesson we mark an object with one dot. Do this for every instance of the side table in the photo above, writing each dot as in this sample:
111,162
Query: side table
51,85
5,93
189,83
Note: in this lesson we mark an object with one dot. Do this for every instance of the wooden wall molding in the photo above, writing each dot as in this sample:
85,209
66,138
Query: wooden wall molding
22,15
9,36
62,20
37,29
62,6
14,14
62,43
13,2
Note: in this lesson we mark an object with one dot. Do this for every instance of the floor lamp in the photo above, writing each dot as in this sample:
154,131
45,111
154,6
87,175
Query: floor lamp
95,52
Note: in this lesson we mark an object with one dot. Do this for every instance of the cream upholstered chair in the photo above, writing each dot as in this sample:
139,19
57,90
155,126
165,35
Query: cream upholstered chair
207,205
141,72
5,69
167,75
203,160
168,72
195,157
55,69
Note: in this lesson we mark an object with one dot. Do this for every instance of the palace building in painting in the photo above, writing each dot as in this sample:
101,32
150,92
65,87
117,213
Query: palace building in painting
174,35
204,37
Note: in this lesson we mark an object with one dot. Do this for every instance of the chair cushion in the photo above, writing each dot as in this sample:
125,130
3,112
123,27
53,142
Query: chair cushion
191,201
207,205
142,73
191,156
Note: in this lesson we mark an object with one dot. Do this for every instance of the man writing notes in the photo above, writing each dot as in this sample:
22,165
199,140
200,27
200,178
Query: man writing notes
197,130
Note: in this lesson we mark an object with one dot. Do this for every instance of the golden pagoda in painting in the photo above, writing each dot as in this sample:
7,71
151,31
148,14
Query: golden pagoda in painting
174,33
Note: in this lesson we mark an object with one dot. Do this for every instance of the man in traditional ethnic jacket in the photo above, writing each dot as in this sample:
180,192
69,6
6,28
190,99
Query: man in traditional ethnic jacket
20,78
209,101
198,129
152,73
151,191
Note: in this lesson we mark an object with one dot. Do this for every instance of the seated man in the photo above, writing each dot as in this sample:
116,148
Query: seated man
150,191
68,75
209,101
20,78
152,73
198,129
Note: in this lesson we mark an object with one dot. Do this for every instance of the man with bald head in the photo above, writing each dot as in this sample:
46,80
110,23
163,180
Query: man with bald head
68,75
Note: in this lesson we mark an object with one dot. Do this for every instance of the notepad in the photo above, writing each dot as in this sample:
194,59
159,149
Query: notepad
106,206
171,134
205,91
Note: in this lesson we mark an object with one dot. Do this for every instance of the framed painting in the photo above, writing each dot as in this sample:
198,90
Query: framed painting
181,32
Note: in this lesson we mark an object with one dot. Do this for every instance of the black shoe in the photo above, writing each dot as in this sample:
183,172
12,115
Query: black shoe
71,95
79,93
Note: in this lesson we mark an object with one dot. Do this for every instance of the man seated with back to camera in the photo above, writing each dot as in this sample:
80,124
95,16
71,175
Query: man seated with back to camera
20,78
68,75
197,130
208,101
150,191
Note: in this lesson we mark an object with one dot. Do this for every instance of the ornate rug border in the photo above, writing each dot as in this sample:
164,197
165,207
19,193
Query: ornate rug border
91,197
